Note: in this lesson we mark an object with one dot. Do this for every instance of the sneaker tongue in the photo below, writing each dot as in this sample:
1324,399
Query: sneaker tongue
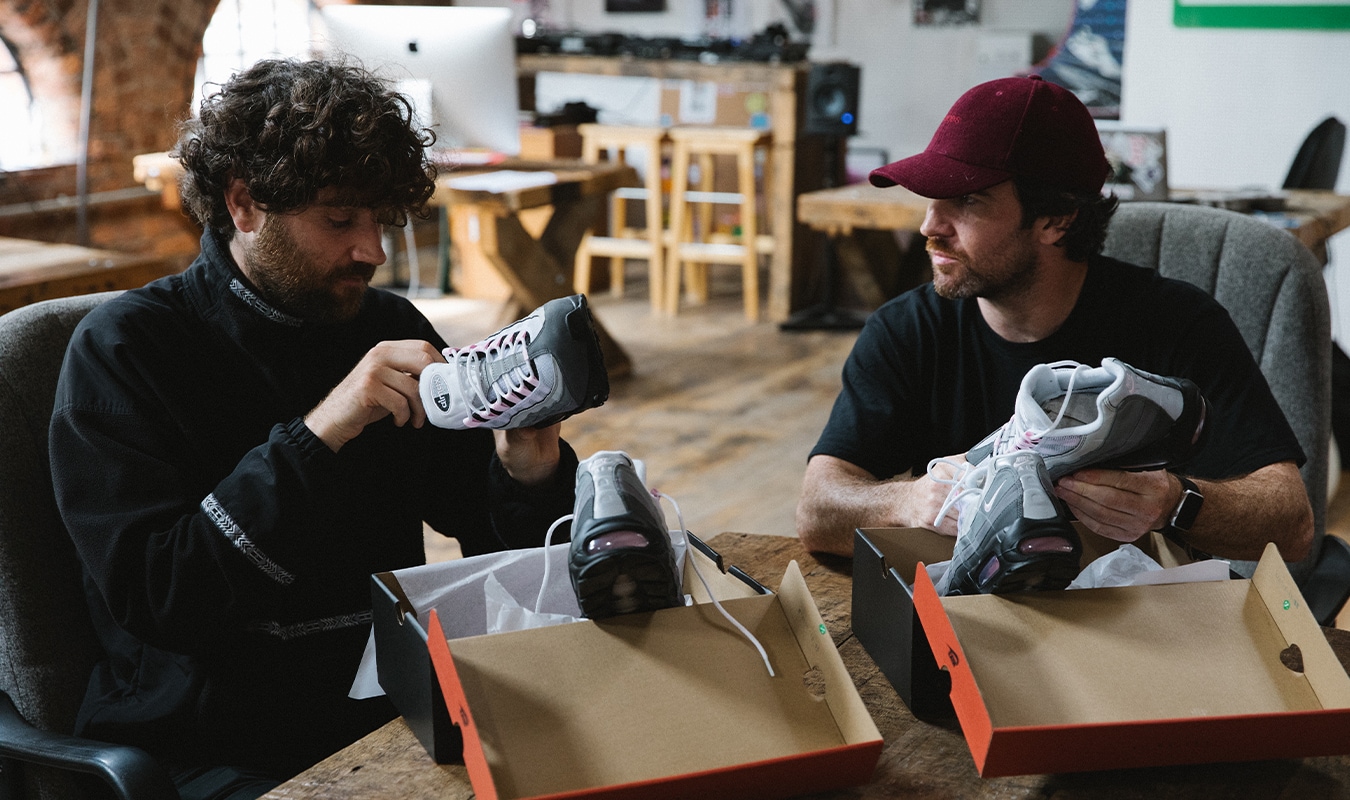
502,367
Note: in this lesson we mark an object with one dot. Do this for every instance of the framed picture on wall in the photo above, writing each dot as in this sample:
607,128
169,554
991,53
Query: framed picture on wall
946,12
635,5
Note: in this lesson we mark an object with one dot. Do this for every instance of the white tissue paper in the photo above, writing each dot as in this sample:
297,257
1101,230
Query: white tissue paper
490,593
1127,565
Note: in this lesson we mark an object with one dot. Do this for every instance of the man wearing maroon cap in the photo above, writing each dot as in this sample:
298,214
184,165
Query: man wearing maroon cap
1015,228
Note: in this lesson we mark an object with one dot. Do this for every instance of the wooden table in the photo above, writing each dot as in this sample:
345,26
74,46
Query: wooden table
1313,218
31,271
920,760
539,269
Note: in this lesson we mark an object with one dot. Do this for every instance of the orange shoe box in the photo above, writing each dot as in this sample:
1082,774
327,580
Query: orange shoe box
1095,679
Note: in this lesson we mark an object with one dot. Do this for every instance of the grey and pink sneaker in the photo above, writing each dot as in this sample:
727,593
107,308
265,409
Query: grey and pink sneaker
1013,533
1113,416
534,372
621,559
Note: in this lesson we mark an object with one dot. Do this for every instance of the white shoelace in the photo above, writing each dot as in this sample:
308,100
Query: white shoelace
1009,438
1018,438
548,540
744,631
511,387
959,480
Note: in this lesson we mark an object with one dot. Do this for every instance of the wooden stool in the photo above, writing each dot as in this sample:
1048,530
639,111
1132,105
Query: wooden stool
697,249
624,241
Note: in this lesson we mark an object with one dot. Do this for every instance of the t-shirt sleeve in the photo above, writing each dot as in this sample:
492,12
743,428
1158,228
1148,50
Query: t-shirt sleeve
869,423
1246,429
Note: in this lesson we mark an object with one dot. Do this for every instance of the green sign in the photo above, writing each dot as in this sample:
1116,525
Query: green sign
1307,14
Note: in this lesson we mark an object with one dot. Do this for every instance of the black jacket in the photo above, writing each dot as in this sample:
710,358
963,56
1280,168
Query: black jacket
227,551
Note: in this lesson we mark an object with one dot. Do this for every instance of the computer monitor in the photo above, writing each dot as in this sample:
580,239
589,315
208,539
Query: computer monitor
458,60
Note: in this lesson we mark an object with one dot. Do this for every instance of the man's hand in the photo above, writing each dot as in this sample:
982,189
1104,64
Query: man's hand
838,496
384,382
530,455
1239,517
1120,505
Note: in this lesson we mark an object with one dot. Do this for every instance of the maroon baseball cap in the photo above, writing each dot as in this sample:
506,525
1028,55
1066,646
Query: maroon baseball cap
1008,127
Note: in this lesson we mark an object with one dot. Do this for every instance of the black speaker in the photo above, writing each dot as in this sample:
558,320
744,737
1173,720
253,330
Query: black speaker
832,99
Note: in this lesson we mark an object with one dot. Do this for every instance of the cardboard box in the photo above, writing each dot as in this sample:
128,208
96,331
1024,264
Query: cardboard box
403,663
887,625
669,704
1095,679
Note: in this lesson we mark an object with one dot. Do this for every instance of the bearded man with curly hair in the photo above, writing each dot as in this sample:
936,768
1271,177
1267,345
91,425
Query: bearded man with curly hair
235,449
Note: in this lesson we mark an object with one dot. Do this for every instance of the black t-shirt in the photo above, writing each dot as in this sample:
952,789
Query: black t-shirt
929,378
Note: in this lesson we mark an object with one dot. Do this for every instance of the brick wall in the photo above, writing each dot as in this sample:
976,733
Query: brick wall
145,59
145,66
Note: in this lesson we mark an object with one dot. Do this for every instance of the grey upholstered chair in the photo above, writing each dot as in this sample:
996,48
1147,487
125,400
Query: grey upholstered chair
47,643
1272,287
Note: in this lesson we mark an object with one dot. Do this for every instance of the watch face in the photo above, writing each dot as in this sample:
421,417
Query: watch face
1187,510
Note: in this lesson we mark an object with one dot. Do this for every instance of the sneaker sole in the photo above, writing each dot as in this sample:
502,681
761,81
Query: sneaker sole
1017,572
624,582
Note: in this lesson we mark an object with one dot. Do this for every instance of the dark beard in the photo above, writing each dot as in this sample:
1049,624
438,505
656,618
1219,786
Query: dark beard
290,281
1009,277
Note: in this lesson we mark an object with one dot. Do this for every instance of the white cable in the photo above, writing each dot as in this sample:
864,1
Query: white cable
692,560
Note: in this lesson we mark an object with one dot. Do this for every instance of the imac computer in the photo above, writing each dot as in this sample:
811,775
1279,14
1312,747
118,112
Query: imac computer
456,63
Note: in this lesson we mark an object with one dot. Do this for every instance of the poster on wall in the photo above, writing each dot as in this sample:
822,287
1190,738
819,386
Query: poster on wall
1311,14
946,12
1088,60
615,6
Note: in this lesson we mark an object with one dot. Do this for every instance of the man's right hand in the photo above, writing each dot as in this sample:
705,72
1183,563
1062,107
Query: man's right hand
838,496
384,382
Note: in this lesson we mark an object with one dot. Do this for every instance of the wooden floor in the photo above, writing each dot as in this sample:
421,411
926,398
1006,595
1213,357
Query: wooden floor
723,411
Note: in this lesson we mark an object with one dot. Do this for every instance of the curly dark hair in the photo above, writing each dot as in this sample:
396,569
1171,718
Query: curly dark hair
1087,232
289,128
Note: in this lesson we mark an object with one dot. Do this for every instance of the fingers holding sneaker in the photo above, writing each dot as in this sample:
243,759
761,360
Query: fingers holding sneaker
383,383
1115,504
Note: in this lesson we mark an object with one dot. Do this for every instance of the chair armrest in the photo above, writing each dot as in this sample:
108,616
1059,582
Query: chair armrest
128,771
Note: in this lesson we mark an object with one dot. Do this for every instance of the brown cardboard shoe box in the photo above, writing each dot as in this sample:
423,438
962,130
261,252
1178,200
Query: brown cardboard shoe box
1046,682
672,703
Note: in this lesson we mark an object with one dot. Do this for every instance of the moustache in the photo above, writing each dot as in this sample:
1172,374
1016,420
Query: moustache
935,246
359,269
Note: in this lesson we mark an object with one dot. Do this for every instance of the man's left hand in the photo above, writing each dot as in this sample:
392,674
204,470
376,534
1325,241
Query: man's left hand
530,455
1118,505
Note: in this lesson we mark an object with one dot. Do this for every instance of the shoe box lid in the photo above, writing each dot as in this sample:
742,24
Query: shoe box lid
687,659
1047,682
673,703
403,664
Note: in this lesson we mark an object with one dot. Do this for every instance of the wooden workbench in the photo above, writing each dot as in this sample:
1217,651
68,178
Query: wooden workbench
840,213
31,271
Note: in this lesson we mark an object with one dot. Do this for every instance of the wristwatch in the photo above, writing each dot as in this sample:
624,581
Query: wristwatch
1179,524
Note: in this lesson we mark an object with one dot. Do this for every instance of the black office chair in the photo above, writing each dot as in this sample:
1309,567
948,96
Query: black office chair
47,642
1318,161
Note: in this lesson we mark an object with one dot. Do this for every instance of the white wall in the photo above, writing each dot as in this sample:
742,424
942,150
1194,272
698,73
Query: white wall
910,75
1237,104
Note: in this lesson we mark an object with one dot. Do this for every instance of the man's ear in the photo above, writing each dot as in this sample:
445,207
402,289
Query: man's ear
1053,229
248,218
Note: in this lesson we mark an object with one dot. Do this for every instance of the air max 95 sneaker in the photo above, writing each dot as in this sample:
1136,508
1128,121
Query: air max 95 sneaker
534,372
1013,533
621,558
1113,416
